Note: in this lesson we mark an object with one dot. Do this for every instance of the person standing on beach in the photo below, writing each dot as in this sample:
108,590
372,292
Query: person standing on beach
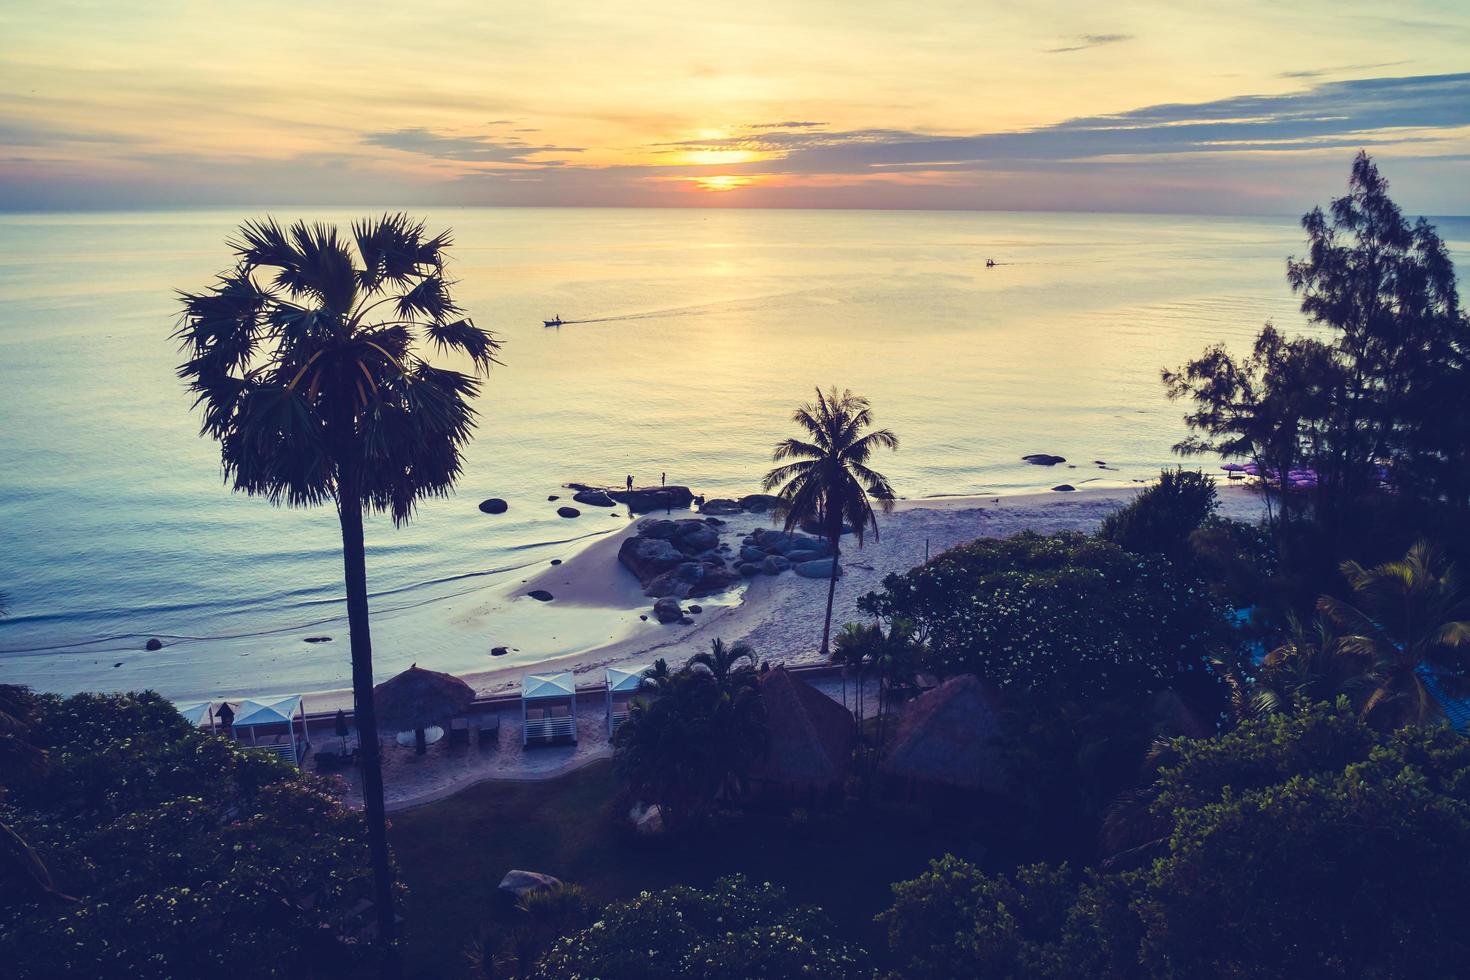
630,481
663,479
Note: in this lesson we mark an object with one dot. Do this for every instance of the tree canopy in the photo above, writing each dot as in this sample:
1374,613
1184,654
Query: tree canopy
1304,843
734,930
187,855
1066,615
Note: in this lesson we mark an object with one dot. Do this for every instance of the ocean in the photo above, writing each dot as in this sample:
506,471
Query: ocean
691,336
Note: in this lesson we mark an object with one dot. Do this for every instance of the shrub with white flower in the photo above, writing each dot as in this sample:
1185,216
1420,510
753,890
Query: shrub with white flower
733,930
1067,615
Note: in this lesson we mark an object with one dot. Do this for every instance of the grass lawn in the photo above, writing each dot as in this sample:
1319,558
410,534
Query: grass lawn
452,855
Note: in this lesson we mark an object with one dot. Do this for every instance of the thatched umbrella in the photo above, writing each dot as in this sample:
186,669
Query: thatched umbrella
417,698
810,735
946,738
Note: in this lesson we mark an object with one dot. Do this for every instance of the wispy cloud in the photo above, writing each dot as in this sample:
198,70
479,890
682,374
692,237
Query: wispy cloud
788,124
1346,113
1084,41
1339,69
465,149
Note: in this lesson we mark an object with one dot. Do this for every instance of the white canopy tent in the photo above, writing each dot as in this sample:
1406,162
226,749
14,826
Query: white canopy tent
622,685
200,714
548,707
274,713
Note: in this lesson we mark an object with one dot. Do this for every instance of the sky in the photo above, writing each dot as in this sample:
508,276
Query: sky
1239,107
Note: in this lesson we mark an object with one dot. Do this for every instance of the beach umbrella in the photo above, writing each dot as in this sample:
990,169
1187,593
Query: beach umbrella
1234,468
417,698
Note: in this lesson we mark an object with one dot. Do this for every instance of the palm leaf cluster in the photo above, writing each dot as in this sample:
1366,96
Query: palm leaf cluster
306,365
1398,646
825,474
691,740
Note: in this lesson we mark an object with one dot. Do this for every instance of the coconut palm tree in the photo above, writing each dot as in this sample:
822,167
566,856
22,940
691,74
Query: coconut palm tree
1410,619
308,362
824,478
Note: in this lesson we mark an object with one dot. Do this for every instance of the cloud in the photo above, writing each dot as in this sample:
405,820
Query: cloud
1339,69
483,149
1085,41
788,124
24,133
1354,113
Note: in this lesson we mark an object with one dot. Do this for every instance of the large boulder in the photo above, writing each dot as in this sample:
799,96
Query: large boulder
1064,488
594,498
657,528
812,526
797,557
720,505
494,506
692,537
1043,459
648,558
693,579
783,543
749,552
641,500
748,569
774,565
519,884
667,610
759,503
568,512
818,568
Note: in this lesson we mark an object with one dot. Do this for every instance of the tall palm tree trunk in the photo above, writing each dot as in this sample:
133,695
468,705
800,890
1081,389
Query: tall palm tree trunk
354,565
831,593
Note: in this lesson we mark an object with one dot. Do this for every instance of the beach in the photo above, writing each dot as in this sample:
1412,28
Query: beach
780,616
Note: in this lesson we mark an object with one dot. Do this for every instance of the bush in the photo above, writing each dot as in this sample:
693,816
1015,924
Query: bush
1161,518
735,930
1299,845
1065,615
188,856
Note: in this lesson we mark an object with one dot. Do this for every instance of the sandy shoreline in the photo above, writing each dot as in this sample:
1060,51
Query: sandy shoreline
596,618
781,615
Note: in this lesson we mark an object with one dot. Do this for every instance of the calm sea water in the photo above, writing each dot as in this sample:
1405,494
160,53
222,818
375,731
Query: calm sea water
703,329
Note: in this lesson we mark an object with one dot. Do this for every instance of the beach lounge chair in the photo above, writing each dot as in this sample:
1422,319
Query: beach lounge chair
459,731
489,729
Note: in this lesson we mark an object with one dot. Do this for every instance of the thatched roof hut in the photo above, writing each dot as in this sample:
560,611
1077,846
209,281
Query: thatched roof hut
945,739
810,747
419,697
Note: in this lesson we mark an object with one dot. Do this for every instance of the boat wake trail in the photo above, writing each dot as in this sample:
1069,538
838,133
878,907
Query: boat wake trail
700,309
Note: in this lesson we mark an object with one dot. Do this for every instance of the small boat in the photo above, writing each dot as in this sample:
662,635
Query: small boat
553,323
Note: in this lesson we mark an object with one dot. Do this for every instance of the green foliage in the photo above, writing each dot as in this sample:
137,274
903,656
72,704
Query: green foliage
188,856
1160,519
1382,384
1402,640
733,931
695,735
955,921
512,949
308,362
1065,615
1302,844
824,477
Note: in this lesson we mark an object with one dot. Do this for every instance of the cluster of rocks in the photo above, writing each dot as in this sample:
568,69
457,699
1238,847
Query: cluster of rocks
751,503
638,500
678,559
766,551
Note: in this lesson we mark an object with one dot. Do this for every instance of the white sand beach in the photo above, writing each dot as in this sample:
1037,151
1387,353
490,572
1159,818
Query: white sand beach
781,616
596,617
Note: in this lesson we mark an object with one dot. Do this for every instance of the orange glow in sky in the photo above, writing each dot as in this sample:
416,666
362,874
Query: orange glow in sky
1246,107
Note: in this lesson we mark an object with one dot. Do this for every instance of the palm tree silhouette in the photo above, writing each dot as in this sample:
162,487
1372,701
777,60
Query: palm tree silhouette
827,480
306,362
1410,620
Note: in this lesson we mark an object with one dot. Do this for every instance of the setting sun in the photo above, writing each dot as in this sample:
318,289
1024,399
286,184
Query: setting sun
722,182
